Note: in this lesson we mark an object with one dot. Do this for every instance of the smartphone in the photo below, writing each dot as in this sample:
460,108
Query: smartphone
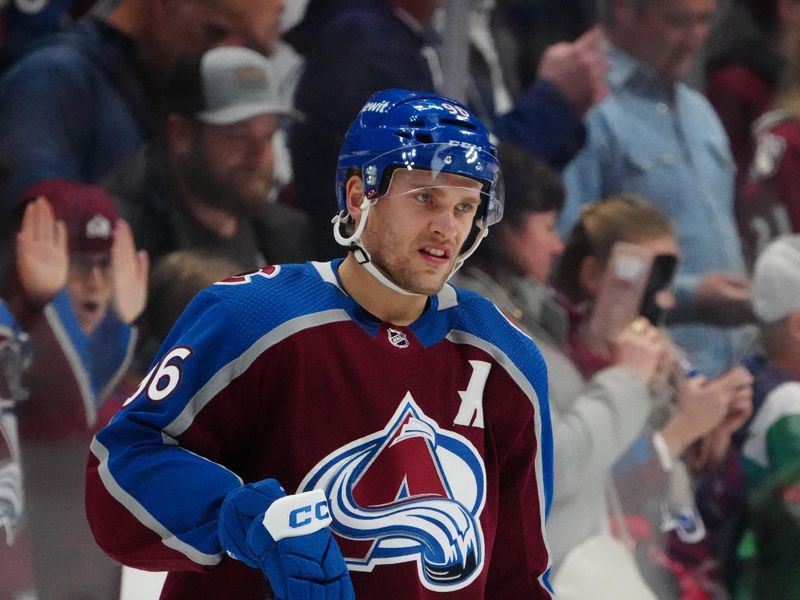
622,290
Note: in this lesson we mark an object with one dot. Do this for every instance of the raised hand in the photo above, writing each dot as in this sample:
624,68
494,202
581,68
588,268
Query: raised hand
129,270
42,255
578,69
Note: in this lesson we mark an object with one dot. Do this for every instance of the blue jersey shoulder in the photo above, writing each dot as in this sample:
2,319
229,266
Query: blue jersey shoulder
247,307
277,293
480,317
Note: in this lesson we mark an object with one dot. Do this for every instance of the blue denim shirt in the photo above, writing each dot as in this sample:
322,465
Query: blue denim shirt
664,142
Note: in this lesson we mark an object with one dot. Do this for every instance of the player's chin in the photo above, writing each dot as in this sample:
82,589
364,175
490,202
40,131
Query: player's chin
429,284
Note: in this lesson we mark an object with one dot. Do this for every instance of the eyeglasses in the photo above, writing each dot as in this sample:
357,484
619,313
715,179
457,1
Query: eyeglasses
83,264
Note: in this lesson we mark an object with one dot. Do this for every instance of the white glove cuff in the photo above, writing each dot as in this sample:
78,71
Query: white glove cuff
297,514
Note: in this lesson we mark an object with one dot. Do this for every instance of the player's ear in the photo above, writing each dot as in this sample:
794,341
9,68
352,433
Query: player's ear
354,189
589,275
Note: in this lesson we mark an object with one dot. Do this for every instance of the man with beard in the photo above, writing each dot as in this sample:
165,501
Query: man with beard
207,183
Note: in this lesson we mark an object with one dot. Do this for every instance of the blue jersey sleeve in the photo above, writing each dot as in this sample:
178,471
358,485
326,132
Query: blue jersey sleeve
173,491
166,461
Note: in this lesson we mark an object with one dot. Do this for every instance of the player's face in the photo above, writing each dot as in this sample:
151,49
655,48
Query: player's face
230,166
183,28
536,244
415,232
89,287
668,35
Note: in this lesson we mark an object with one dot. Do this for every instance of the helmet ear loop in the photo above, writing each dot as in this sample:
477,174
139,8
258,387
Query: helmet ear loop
352,241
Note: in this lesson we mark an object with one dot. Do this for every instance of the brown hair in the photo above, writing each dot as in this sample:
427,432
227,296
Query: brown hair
531,187
175,280
624,217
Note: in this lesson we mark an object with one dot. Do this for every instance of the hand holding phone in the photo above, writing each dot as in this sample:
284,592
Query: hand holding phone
621,292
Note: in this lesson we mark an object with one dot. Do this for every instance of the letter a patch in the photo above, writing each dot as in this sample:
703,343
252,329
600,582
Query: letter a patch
470,413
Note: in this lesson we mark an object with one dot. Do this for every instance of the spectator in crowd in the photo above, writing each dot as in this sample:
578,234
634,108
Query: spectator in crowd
655,137
16,572
771,451
88,97
689,430
746,52
174,280
769,200
357,47
208,184
80,285
595,419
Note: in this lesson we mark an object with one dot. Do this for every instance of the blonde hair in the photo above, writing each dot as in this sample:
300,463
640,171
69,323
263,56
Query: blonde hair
623,217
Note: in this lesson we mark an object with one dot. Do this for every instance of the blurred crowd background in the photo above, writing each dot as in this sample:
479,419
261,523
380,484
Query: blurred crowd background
651,157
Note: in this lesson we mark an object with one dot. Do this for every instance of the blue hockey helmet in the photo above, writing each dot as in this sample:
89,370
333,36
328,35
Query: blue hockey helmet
402,129
405,129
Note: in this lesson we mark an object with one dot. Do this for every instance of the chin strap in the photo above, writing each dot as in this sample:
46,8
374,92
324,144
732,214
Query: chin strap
353,242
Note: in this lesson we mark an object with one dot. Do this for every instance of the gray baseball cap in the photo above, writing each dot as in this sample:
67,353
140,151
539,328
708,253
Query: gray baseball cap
227,85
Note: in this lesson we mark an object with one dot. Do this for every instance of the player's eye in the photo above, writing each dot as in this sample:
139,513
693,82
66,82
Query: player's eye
467,207
423,197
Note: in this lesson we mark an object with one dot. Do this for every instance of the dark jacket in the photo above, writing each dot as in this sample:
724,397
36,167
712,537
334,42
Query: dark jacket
73,107
146,197
352,49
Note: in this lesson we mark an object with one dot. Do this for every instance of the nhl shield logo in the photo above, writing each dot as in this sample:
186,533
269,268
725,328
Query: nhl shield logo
412,492
397,338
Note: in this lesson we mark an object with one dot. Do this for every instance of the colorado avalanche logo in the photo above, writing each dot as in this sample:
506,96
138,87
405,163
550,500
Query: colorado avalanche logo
412,492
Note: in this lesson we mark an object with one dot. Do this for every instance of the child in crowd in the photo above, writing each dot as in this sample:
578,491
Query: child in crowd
79,285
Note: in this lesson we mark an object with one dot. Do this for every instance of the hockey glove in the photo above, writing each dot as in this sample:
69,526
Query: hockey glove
288,538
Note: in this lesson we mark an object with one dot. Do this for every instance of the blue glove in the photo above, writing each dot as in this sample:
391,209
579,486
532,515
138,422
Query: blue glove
288,538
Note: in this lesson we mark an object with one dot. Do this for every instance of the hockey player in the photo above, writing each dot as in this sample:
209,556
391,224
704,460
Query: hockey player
352,428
